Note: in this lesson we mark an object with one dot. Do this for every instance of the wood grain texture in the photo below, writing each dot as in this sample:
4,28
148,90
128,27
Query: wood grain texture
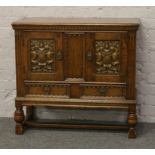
79,21
75,125
80,63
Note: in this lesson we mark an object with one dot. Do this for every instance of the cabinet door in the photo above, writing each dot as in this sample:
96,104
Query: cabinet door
106,57
44,55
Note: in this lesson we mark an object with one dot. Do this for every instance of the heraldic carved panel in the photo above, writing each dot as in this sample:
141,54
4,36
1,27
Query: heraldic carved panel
42,55
107,57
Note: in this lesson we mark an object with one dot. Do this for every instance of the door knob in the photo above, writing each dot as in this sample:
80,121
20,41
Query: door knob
89,56
59,55
103,90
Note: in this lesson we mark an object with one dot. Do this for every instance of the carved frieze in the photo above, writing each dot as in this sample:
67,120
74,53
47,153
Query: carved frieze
107,57
61,90
112,90
42,55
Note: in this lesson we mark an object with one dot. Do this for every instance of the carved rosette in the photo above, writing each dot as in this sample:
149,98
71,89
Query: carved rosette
42,55
107,57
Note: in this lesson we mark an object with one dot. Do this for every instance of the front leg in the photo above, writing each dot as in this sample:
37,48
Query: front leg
19,118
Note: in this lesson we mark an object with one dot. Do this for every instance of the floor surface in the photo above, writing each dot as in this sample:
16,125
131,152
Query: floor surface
74,139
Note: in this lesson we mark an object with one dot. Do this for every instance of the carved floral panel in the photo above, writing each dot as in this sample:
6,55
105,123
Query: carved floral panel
107,57
42,55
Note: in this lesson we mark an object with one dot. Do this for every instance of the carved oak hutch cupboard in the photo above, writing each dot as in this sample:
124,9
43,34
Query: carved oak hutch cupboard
75,63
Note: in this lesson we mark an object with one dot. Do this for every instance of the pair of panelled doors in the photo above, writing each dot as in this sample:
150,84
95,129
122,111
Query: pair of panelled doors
84,63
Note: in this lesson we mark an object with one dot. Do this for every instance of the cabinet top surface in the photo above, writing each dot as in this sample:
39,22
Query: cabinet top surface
78,21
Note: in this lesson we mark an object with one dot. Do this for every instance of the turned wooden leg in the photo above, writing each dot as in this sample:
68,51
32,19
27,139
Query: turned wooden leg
132,120
29,112
19,118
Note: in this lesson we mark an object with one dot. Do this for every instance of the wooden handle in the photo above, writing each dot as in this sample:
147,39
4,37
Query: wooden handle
59,55
89,56
103,90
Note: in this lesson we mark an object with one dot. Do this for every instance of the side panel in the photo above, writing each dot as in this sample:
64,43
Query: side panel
20,70
131,91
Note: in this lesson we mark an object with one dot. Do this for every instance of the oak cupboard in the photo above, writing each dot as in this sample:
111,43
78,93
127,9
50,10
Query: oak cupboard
75,63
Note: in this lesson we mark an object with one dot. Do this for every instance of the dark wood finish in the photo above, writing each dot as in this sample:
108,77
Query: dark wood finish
19,118
76,124
82,63
115,102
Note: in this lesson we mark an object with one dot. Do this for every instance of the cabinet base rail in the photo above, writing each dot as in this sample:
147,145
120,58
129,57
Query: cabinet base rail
74,125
